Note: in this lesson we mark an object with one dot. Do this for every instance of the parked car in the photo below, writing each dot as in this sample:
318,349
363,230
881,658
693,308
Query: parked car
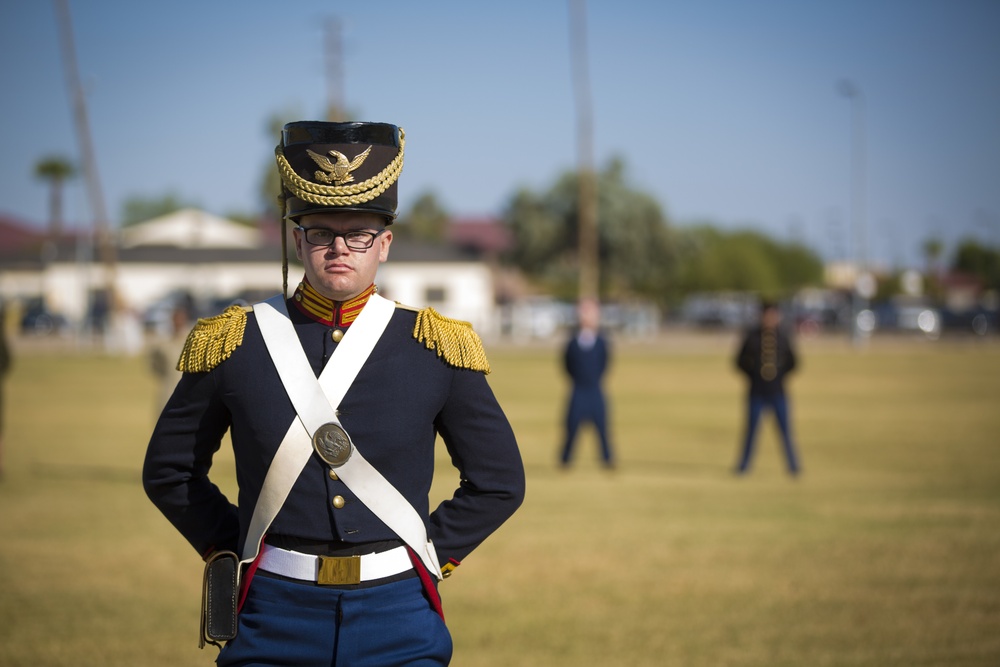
38,320
978,321
909,314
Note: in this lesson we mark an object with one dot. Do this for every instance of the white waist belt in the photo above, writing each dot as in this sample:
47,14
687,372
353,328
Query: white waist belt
345,568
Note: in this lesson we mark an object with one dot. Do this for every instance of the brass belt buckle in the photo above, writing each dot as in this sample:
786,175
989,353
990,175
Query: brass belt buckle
339,571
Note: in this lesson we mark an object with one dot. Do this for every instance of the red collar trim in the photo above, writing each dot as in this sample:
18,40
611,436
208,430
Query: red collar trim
326,311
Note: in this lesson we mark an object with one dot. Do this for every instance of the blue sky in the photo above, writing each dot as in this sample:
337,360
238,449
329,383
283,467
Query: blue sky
726,111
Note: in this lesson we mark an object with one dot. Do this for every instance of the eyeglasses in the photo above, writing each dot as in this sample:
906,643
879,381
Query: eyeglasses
356,240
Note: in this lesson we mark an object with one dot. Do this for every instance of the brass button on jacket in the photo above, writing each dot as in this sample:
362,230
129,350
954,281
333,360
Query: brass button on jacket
333,476
338,501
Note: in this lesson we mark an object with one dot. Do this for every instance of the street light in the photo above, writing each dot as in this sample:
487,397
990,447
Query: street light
862,289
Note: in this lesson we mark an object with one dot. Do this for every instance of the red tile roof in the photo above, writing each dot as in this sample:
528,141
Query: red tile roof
16,234
481,234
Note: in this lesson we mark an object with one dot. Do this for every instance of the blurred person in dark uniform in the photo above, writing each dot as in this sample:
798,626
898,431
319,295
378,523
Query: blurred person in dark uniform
766,356
585,359
164,352
347,571
5,364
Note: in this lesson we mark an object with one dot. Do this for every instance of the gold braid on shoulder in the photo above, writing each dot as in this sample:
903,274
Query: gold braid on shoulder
212,340
340,195
454,340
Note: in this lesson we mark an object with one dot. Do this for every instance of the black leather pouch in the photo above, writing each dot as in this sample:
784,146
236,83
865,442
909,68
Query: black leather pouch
219,596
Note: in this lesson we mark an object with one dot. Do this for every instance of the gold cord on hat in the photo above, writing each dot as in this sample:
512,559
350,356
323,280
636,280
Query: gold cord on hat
340,195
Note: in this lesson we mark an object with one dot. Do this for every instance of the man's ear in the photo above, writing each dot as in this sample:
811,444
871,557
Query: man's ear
384,241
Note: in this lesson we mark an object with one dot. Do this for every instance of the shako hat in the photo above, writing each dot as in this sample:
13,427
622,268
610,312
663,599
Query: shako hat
328,167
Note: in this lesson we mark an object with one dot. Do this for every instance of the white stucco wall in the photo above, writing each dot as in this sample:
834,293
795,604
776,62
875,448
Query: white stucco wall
65,287
465,288
461,290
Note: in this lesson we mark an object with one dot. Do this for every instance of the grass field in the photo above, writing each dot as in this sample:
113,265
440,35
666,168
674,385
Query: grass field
885,552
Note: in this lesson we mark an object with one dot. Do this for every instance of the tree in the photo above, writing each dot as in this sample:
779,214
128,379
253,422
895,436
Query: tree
426,220
744,260
56,170
635,244
933,249
980,261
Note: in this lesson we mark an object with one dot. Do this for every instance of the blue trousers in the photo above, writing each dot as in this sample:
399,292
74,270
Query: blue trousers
586,405
299,625
756,405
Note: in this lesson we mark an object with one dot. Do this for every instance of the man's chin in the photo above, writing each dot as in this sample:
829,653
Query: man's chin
339,292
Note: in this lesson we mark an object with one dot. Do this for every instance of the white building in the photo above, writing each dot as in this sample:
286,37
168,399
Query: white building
216,261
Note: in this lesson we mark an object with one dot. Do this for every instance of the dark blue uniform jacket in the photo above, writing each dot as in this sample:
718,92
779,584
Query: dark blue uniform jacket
404,396
750,360
586,367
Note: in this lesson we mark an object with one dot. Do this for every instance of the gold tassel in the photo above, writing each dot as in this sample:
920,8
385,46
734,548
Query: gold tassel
212,340
454,340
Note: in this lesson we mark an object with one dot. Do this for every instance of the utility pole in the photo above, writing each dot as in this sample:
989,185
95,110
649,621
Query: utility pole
587,208
334,71
105,245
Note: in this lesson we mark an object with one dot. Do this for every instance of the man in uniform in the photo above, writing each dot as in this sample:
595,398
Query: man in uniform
163,352
5,364
766,357
586,360
423,377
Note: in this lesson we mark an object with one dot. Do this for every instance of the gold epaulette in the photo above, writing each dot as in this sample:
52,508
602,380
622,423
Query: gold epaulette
212,340
454,340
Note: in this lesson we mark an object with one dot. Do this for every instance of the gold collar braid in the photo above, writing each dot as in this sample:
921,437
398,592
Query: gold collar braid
340,195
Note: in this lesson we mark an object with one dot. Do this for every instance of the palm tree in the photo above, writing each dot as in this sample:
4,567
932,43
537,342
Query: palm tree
56,170
933,248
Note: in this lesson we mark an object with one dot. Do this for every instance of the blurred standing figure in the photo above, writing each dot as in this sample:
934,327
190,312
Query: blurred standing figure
586,360
164,354
5,363
766,357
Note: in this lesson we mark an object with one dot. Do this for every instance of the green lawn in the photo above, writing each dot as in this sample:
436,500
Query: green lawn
885,552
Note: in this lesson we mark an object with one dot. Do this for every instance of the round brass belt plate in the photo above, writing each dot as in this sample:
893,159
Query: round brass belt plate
332,444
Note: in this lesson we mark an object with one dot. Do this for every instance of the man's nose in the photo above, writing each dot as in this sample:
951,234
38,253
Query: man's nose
339,246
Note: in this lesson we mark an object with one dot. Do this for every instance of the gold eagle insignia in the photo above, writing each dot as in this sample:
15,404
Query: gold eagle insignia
212,340
337,171
454,340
